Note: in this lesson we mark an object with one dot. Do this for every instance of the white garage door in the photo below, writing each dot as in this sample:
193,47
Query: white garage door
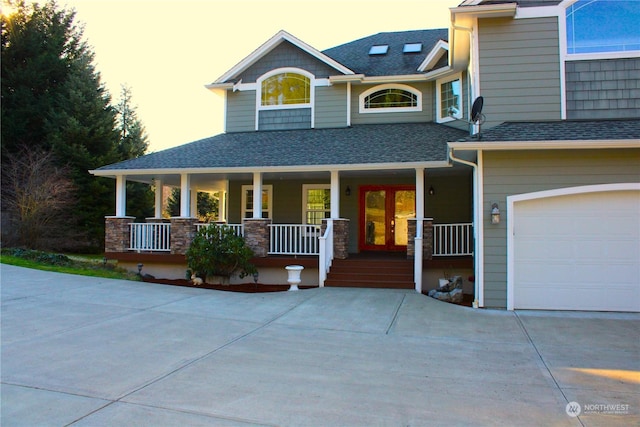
577,252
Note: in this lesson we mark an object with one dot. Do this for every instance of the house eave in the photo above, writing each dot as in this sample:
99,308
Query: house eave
544,145
112,173
405,78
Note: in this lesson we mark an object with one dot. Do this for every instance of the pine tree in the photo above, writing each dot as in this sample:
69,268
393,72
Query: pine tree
53,100
133,142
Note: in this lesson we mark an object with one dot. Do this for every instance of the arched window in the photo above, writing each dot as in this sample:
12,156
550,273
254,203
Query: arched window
595,26
390,98
286,89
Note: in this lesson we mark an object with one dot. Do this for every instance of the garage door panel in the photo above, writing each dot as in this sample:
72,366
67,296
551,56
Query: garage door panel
578,252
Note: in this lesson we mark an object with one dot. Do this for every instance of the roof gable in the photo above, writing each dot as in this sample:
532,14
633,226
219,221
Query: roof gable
394,62
269,45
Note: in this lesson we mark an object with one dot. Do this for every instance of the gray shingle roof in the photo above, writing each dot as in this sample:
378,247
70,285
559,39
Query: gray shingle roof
366,144
564,130
355,55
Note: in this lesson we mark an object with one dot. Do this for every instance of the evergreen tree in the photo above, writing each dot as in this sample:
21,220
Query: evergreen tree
53,100
133,142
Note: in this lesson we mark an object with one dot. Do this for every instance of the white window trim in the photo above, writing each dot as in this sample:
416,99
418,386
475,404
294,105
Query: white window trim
306,187
312,93
374,89
269,207
439,83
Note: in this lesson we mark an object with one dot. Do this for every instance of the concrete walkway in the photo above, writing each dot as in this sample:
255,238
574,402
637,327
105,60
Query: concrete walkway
95,352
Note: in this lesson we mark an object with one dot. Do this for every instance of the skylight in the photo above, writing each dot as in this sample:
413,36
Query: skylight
380,49
412,48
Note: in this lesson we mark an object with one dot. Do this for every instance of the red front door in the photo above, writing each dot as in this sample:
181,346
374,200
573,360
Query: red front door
384,210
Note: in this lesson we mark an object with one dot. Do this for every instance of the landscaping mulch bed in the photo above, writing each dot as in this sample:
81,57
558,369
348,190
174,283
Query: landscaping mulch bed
242,287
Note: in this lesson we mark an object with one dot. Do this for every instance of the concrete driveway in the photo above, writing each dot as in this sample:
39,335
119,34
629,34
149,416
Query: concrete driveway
94,352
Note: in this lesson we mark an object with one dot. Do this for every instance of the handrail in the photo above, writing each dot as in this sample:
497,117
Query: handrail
150,237
293,239
453,239
326,253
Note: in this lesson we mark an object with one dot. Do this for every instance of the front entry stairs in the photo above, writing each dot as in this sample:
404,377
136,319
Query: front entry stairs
371,273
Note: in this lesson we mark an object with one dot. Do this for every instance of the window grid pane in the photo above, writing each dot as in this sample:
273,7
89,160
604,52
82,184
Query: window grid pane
286,89
450,98
391,98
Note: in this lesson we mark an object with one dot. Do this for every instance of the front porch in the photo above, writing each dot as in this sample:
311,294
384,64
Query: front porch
160,247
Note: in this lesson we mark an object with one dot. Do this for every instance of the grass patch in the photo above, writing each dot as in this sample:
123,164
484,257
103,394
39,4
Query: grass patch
84,265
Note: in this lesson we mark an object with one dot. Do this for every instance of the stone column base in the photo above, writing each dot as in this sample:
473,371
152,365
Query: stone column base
183,230
427,238
256,235
117,233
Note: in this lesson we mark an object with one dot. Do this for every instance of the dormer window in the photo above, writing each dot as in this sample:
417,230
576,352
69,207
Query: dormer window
390,98
286,89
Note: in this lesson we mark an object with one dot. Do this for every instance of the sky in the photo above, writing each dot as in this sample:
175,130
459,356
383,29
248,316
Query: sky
166,51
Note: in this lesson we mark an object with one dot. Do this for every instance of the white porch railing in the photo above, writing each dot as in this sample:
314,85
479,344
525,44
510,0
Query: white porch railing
150,236
294,239
237,228
453,239
326,253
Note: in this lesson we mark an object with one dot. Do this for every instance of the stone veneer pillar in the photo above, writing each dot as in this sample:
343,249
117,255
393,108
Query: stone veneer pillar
183,230
340,237
117,233
427,238
256,235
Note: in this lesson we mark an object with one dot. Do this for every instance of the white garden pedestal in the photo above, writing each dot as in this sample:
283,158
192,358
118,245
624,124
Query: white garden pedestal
294,272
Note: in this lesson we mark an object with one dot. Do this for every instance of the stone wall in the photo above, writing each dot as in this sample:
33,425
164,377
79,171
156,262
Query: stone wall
427,238
256,235
183,230
117,233
341,238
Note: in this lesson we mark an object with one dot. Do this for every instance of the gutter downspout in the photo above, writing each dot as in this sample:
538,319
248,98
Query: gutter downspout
477,228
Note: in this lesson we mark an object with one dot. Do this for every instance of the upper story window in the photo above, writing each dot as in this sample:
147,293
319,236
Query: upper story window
449,98
597,26
390,98
285,88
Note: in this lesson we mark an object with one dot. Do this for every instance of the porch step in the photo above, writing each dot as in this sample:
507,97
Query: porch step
371,273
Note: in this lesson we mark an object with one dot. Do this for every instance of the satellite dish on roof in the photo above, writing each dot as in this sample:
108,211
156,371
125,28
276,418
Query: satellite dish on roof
476,111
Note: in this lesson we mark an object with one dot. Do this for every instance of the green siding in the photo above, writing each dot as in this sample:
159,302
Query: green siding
241,111
521,172
331,107
519,63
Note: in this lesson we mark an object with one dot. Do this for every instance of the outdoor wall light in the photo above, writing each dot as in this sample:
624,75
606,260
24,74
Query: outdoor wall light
495,214
432,191
347,191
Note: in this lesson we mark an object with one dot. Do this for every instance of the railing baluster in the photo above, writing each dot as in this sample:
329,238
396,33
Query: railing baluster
452,239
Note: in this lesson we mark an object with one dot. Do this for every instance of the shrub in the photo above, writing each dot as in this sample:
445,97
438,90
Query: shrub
219,251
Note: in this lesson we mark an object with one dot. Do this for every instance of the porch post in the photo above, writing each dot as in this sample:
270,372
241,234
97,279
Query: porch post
121,196
193,197
158,200
185,188
222,206
335,194
257,195
417,260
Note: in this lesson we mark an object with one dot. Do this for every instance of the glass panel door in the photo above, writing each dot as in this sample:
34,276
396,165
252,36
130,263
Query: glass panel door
384,215
375,217
405,208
